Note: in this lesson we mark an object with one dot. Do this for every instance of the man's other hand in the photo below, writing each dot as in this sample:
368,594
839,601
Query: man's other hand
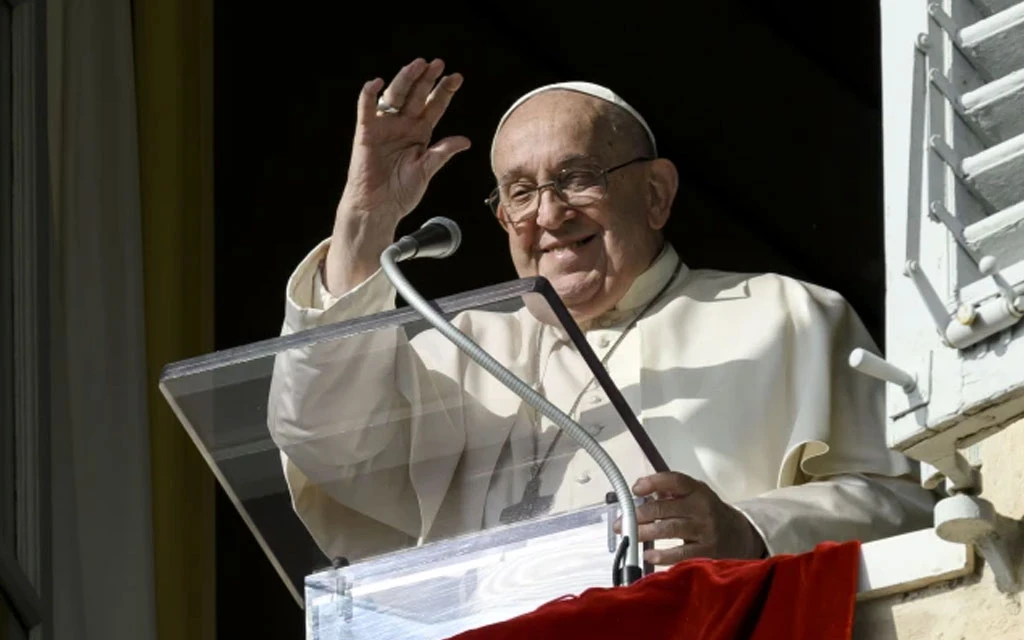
680,507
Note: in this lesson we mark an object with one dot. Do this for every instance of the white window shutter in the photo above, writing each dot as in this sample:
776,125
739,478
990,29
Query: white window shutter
953,127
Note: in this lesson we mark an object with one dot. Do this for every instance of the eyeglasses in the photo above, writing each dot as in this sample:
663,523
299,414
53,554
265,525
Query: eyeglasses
575,186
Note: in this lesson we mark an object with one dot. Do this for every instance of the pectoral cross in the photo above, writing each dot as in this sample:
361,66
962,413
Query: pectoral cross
532,505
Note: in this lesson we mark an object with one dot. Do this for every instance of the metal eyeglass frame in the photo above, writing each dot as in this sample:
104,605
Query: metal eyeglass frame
493,201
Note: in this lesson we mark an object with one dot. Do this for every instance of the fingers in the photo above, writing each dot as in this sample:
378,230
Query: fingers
415,92
366,107
421,89
667,519
652,510
439,99
674,529
440,153
672,555
398,91
667,484
691,507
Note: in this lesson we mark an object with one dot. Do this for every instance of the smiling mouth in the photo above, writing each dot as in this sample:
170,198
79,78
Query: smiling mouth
571,245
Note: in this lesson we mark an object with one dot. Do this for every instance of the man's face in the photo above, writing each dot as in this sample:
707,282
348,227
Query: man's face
591,254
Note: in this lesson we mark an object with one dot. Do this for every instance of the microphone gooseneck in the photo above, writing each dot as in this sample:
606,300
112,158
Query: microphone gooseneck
439,239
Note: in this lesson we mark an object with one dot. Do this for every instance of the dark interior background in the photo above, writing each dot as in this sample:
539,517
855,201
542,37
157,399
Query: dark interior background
770,109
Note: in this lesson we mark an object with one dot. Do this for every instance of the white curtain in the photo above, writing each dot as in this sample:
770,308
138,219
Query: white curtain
103,585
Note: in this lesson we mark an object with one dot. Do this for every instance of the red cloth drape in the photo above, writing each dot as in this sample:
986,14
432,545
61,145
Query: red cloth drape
797,597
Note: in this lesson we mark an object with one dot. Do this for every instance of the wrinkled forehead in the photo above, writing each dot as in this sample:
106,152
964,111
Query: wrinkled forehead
549,130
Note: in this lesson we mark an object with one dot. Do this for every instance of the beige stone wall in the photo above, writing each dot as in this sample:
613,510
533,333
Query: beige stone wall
970,608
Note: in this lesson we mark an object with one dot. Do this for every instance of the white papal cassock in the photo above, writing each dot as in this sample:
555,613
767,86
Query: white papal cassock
740,380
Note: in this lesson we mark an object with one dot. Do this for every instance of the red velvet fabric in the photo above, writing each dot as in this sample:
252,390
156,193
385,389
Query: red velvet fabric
797,597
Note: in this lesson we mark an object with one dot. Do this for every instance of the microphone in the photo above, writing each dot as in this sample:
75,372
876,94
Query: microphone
438,238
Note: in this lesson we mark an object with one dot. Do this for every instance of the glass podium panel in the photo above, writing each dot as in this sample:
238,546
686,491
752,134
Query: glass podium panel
356,441
443,588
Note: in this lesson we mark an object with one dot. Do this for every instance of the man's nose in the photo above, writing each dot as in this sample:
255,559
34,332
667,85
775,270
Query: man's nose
552,211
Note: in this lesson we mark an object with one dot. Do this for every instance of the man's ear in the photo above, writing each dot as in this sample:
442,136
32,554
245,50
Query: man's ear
662,184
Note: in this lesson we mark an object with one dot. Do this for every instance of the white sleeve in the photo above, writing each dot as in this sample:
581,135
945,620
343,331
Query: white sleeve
795,519
839,481
309,304
340,413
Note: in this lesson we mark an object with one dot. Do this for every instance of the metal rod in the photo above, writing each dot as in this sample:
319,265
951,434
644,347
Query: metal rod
869,364
947,89
938,212
631,571
990,317
928,296
947,154
988,266
947,23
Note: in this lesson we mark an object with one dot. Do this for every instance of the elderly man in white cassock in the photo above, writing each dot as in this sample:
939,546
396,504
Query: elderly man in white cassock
775,445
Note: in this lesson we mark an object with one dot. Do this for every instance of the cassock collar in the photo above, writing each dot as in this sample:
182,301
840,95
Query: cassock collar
650,282
647,285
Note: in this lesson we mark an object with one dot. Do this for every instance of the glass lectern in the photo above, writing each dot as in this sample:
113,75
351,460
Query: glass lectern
398,490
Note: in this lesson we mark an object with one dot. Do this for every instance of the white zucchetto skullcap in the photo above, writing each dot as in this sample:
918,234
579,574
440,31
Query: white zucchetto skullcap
587,88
